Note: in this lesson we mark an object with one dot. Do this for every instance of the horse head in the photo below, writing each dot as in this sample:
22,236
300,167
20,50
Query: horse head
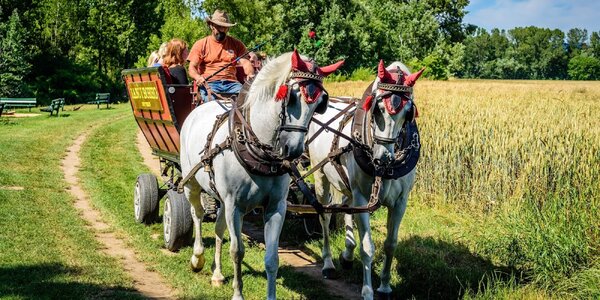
391,105
301,96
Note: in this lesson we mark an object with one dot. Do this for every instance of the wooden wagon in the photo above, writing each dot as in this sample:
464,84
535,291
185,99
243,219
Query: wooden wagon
159,108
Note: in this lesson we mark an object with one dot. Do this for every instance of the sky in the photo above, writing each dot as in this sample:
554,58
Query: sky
561,14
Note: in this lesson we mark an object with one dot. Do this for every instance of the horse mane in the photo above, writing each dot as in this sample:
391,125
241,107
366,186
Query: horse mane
273,74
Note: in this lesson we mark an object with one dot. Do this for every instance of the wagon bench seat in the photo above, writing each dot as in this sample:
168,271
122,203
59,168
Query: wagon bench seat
159,108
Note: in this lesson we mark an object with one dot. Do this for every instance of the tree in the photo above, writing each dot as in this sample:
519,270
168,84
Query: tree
13,58
595,44
540,50
584,67
576,39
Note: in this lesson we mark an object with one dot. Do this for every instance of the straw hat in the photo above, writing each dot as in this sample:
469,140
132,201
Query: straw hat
220,18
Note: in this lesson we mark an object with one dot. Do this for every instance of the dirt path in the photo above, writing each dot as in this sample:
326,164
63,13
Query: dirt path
296,258
147,283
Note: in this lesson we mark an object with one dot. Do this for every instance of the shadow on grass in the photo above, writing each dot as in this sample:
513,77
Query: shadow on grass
54,281
431,268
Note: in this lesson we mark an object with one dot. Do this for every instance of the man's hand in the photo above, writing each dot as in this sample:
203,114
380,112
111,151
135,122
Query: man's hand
200,80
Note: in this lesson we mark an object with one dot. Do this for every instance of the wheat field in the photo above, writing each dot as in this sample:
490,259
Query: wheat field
525,154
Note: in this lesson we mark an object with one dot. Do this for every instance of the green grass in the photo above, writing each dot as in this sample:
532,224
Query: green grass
111,163
45,250
505,205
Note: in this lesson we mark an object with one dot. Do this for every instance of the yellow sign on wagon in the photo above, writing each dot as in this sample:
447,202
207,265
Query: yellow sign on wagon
145,95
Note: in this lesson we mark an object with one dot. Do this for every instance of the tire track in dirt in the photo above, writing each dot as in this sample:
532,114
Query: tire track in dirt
147,283
296,258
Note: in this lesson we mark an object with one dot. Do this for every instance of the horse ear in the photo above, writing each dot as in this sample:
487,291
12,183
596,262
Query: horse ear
383,74
298,63
411,79
325,71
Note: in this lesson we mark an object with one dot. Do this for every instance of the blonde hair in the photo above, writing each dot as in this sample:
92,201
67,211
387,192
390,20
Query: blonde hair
152,59
174,55
162,50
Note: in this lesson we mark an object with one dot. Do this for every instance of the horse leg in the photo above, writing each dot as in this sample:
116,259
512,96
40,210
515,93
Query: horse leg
233,217
192,193
274,216
367,250
217,277
394,218
322,189
347,256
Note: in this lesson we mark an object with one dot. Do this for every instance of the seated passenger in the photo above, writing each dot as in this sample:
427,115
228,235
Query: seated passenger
153,59
174,59
256,61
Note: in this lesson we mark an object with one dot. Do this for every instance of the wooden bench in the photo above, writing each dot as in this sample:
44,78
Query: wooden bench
55,106
19,102
101,98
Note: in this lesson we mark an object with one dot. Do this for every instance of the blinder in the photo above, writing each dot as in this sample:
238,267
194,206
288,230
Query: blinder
322,106
302,80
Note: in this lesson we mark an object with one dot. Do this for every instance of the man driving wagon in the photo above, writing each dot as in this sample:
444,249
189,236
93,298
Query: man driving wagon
213,62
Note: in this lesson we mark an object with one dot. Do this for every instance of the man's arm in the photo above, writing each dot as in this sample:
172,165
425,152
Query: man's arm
193,72
248,67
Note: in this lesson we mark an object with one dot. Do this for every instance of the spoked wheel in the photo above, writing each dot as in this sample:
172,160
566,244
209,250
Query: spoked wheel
145,199
177,221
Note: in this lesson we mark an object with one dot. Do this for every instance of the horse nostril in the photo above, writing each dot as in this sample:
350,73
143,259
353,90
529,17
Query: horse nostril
377,161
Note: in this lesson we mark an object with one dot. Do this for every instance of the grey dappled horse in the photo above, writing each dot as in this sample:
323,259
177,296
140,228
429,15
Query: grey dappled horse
279,105
388,110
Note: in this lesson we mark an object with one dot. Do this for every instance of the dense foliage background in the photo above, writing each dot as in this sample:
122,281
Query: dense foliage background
75,48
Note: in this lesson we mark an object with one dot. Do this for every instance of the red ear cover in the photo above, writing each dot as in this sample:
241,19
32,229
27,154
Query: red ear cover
325,71
281,93
383,74
411,79
298,63
368,103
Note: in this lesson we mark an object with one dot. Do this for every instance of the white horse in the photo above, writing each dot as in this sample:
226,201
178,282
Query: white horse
387,109
279,105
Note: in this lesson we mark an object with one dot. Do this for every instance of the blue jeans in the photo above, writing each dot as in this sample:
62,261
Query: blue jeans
221,86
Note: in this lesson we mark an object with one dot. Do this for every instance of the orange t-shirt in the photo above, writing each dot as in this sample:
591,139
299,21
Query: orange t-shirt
211,56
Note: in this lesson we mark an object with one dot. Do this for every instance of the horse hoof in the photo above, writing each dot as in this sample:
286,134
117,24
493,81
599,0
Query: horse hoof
383,296
330,274
197,263
216,282
346,264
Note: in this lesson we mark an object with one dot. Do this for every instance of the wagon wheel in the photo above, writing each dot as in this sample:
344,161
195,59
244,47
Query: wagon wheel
177,221
145,199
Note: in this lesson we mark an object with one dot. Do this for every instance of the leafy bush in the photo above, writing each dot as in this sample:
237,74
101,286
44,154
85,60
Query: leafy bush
336,77
584,67
362,74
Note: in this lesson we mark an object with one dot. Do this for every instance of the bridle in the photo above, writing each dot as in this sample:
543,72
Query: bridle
389,90
302,79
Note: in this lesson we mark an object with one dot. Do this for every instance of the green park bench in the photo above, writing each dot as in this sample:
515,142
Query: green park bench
101,98
55,106
19,102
